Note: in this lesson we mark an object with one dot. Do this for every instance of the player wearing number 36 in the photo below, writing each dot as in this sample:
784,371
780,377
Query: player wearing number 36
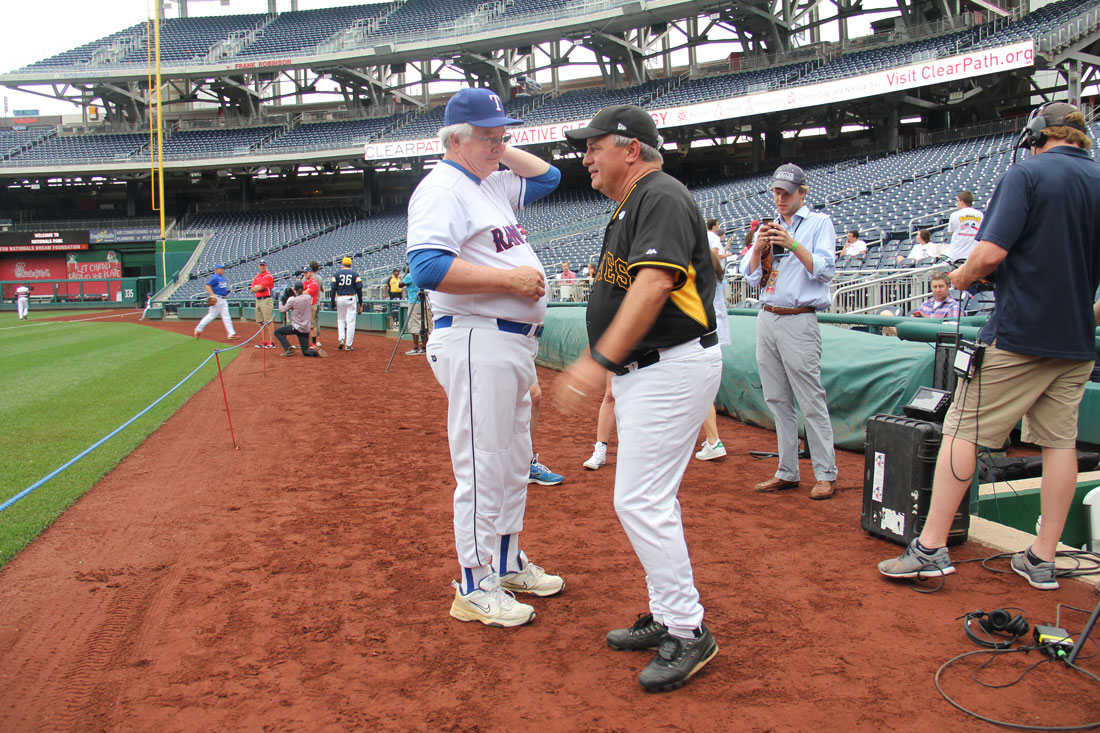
488,296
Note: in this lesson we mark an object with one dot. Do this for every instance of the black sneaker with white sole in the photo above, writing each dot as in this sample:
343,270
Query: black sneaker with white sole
677,660
646,633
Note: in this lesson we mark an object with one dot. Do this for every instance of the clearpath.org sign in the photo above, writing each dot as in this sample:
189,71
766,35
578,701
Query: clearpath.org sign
964,66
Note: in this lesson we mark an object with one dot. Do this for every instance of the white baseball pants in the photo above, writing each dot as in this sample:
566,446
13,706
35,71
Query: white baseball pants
220,308
345,318
658,412
22,306
487,375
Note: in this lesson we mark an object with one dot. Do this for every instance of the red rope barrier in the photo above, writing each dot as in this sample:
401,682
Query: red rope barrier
226,398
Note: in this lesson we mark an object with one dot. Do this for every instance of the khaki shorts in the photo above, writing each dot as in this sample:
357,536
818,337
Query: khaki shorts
263,310
416,318
1012,386
315,318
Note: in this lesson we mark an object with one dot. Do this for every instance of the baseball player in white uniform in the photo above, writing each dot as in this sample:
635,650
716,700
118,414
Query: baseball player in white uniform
488,296
22,301
217,287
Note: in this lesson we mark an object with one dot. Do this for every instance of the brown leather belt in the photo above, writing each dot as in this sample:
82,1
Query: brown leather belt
788,311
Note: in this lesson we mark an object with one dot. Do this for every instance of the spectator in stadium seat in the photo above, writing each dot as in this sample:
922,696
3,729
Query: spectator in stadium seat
1039,343
963,226
941,305
923,248
567,275
792,261
853,246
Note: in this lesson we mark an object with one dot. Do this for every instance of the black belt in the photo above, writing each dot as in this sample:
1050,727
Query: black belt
263,297
653,356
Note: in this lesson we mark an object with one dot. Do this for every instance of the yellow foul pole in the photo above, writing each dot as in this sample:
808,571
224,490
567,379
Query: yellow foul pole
160,144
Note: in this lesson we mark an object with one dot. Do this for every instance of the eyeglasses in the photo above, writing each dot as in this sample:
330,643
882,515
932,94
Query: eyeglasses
492,141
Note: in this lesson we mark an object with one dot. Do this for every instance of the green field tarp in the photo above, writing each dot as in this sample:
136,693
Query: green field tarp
863,374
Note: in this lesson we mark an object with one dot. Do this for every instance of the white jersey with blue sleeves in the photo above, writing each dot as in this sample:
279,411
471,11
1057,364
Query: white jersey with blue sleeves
452,210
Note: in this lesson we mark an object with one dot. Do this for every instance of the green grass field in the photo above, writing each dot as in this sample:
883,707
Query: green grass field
65,386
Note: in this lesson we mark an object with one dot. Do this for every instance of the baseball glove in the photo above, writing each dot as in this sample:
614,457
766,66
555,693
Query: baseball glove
211,300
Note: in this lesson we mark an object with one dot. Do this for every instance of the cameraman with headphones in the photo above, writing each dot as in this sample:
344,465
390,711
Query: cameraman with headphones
1041,234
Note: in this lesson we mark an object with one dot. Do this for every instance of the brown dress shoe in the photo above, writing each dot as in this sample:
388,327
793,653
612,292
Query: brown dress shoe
823,490
774,484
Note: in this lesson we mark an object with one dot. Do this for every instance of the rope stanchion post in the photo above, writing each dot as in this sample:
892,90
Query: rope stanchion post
225,397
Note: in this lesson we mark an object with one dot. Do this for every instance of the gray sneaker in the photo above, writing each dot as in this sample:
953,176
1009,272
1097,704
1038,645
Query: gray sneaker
646,633
1042,576
677,660
916,564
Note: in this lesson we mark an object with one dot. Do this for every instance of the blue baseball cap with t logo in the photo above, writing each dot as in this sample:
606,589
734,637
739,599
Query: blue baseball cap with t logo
478,107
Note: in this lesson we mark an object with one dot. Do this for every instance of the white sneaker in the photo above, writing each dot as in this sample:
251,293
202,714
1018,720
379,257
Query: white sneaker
709,452
532,579
490,604
599,457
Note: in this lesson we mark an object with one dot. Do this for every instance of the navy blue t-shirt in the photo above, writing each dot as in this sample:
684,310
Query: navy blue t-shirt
1046,213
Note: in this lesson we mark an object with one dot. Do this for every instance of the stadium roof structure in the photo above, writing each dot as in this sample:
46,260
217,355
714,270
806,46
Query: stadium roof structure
393,61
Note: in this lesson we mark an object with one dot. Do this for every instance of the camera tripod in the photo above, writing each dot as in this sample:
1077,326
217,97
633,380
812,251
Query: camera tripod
422,301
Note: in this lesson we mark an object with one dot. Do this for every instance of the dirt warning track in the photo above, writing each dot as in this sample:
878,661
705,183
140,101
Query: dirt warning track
302,583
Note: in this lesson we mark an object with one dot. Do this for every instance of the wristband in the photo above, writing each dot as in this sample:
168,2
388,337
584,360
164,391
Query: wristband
605,362
794,245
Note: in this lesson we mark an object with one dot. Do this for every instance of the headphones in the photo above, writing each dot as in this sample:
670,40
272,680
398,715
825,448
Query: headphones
997,624
1032,135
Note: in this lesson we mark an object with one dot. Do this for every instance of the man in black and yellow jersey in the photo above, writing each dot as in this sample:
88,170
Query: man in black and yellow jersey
651,323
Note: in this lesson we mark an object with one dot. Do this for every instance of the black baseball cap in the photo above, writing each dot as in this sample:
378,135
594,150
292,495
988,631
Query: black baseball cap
628,120
788,177
298,285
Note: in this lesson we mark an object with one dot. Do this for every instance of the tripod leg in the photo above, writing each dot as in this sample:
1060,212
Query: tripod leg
1084,634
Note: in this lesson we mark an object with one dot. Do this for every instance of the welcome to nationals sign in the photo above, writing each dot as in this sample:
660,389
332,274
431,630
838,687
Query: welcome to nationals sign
935,71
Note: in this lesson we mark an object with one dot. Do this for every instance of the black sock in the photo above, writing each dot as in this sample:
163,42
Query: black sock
1033,558
924,549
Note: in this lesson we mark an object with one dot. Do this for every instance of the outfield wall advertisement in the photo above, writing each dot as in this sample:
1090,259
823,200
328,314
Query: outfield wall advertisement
952,68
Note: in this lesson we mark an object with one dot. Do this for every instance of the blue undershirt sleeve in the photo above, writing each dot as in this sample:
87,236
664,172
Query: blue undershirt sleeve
539,186
428,267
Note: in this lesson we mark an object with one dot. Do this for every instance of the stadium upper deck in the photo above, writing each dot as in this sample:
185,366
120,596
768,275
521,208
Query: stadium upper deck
343,140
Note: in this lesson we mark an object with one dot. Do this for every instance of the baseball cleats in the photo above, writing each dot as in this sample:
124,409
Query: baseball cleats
599,456
916,563
260,345
490,604
349,348
198,334
340,346
413,352
532,579
646,633
540,474
677,660
708,452
233,337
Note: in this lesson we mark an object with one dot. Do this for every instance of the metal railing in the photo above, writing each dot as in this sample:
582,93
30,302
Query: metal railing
1070,32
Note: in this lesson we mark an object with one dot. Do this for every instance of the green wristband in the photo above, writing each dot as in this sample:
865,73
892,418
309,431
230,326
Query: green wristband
794,245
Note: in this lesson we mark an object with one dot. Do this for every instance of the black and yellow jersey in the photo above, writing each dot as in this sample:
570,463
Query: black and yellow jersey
657,224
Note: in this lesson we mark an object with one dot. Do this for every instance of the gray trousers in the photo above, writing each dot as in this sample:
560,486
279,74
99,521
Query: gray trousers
788,354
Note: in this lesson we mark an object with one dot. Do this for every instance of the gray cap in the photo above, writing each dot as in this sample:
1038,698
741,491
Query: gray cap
788,177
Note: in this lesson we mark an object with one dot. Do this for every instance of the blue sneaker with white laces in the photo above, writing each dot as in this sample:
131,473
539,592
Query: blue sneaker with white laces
540,474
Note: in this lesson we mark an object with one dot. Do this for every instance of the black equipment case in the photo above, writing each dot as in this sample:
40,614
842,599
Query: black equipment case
899,463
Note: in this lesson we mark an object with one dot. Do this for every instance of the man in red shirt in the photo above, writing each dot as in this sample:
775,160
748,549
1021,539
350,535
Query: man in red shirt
261,287
313,288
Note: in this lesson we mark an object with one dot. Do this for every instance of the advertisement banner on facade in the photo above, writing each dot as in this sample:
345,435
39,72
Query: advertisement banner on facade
934,71
124,234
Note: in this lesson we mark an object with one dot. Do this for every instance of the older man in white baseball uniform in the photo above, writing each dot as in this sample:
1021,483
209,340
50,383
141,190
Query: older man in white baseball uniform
488,295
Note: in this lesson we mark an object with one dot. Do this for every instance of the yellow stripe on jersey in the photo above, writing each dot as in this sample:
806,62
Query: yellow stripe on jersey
687,299
681,273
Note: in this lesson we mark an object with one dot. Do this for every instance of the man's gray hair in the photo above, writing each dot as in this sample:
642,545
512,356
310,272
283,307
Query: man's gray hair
464,130
649,153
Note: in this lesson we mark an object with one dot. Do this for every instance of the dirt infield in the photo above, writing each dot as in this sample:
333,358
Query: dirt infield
302,583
